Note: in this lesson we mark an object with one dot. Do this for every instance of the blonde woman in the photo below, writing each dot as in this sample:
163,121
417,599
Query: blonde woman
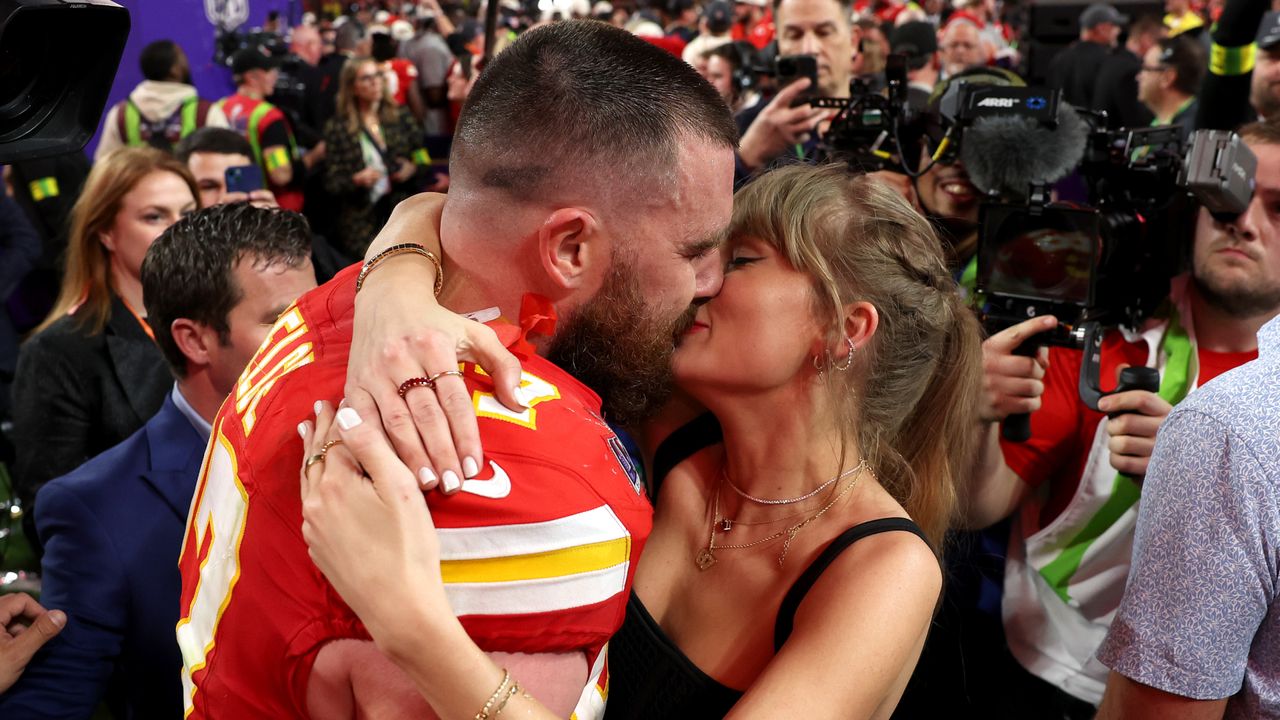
843,369
91,374
373,152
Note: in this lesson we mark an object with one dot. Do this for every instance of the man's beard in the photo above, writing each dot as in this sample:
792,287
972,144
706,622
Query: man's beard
1239,300
616,347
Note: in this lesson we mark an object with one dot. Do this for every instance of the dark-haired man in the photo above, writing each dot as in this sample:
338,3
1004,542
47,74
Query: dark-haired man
213,283
162,109
1168,81
824,29
1074,487
604,214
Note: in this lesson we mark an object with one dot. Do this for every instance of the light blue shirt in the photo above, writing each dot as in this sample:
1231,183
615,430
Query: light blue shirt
201,425
1201,612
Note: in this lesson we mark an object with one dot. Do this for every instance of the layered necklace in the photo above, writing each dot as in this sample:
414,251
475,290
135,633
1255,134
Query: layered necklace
706,557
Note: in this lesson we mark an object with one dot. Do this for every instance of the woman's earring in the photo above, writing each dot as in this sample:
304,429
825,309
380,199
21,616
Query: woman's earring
817,366
848,359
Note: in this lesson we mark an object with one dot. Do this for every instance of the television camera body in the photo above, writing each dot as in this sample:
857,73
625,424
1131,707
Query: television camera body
1104,264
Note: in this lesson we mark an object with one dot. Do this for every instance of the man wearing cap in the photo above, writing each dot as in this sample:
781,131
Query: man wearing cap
1168,82
264,125
1075,71
717,19
162,109
1264,88
919,42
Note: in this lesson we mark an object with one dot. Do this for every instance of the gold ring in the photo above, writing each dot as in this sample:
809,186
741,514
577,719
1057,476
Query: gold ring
432,380
320,456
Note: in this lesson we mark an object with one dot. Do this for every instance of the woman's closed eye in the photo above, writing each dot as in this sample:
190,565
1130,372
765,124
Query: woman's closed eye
737,262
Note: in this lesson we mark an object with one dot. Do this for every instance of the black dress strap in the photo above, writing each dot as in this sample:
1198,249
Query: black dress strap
697,434
787,611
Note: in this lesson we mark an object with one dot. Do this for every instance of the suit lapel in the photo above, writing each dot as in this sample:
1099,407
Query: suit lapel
177,452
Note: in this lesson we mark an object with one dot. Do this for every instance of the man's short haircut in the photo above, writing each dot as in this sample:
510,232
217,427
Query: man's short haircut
187,272
1146,25
846,9
1187,59
348,36
579,96
216,141
157,60
1262,132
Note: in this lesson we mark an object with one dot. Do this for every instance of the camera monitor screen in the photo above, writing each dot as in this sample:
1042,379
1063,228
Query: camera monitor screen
1046,256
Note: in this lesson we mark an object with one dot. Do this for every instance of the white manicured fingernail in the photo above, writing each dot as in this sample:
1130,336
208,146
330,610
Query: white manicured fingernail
525,397
302,430
426,477
348,418
318,406
450,481
470,468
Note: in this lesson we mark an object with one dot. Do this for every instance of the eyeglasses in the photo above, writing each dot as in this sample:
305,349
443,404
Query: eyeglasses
1153,68
368,78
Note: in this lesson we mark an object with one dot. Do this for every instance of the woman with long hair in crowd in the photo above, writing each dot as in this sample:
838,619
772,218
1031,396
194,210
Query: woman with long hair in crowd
371,144
795,564
91,374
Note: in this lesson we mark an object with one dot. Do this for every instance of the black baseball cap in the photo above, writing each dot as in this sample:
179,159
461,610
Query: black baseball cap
918,40
1269,31
252,58
1099,13
719,15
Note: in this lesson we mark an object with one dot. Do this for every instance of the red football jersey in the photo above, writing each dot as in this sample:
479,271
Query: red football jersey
538,553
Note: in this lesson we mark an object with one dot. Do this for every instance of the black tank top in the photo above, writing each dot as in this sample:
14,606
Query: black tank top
649,676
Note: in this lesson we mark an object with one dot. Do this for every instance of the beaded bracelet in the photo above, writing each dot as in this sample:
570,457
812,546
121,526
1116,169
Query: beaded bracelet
502,686
515,688
398,250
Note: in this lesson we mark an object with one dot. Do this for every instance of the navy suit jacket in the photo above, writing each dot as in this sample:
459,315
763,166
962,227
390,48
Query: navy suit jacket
112,532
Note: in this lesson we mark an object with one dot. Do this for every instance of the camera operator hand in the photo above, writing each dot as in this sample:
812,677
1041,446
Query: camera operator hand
1013,384
1133,434
779,126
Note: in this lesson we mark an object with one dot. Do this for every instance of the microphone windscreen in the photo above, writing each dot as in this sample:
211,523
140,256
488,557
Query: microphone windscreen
1005,154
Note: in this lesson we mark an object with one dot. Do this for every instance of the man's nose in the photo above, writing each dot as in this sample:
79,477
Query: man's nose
708,276
809,44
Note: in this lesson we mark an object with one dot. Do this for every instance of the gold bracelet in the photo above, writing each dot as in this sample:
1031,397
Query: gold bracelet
502,686
515,688
414,248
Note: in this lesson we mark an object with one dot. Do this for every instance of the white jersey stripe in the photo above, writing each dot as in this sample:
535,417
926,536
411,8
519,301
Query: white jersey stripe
521,597
592,526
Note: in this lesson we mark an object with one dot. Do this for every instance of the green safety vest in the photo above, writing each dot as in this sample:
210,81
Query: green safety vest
133,121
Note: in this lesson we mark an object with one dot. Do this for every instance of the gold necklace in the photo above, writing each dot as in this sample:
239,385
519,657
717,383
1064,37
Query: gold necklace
706,557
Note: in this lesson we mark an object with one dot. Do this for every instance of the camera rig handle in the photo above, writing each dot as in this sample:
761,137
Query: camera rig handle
1132,378
1017,427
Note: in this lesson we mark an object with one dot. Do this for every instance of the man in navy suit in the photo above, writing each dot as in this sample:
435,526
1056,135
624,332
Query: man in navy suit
213,284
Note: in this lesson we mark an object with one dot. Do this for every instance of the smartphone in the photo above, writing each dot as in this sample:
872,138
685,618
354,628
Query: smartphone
244,178
789,68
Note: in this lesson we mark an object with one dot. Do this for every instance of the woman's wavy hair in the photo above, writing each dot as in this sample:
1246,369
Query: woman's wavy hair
910,400
347,105
86,287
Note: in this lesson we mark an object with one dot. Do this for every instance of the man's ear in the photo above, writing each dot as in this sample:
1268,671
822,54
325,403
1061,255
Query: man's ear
194,339
572,248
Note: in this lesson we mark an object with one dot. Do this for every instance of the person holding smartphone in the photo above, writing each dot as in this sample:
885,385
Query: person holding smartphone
819,28
375,154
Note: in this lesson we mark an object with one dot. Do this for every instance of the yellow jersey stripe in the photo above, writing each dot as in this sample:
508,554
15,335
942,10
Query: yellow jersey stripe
555,563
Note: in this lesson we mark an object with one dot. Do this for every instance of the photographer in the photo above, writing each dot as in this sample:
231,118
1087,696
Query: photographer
1073,488
805,27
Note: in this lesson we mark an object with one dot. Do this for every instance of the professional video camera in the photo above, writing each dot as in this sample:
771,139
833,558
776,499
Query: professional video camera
1104,264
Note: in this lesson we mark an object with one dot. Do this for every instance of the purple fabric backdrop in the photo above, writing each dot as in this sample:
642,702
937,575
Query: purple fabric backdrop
184,22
